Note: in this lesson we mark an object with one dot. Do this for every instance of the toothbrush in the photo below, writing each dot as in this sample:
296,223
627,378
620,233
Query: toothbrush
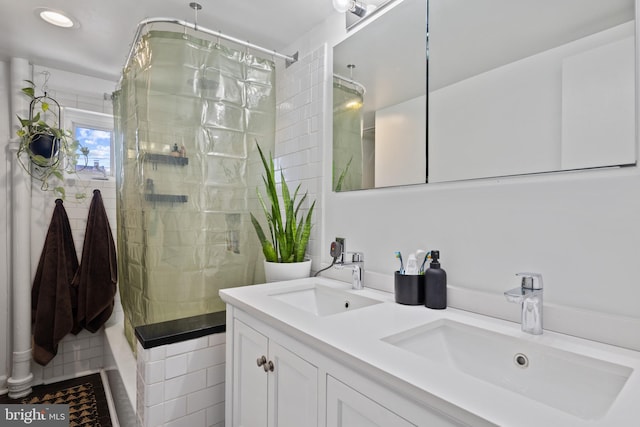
427,255
399,256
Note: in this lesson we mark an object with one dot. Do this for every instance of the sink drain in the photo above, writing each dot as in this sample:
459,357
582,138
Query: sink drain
521,360
346,305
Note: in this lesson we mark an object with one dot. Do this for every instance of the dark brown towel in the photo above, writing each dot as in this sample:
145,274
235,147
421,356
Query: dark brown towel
98,273
52,299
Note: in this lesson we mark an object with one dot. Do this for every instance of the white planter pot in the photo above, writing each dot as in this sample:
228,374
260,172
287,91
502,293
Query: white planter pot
279,271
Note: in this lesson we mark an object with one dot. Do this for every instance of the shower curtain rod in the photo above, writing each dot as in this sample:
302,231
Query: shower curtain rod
351,81
288,59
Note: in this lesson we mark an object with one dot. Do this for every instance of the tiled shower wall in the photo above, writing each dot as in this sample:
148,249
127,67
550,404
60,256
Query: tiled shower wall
182,384
83,353
299,131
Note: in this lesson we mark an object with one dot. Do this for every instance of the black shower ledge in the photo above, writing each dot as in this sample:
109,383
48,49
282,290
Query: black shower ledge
173,331
166,198
163,158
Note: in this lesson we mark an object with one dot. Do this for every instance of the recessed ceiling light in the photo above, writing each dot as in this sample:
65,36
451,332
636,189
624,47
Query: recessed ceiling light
57,18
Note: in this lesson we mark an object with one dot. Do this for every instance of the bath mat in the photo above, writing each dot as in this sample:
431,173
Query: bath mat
84,395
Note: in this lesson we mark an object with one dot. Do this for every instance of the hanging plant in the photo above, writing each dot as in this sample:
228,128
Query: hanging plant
47,151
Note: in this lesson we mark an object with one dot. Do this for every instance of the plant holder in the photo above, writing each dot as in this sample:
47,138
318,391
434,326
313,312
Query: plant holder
44,147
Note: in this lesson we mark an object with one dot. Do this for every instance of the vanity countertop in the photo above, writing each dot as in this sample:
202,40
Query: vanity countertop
355,338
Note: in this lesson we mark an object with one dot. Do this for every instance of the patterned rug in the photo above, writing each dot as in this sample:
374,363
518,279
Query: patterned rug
84,395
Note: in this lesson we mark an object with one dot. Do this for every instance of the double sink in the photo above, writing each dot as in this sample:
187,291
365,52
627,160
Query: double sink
485,366
579,385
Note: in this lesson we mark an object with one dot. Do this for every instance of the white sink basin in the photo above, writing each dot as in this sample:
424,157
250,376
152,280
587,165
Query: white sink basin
323,300
581,386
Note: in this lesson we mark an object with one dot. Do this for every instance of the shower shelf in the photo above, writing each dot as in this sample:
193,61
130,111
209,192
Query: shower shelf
168,198
163,158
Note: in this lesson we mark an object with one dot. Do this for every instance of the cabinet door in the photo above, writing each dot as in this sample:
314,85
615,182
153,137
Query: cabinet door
249,379
293,390
348,408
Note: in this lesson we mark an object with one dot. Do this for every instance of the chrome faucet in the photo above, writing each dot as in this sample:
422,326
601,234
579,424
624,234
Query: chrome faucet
356,263
529,294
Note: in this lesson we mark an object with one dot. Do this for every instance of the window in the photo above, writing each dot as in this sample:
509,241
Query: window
94,131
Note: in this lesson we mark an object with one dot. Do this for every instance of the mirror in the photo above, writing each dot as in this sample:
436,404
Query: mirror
540,86
379,100
544,85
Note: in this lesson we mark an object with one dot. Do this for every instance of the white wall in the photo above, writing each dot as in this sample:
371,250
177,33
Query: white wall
580,230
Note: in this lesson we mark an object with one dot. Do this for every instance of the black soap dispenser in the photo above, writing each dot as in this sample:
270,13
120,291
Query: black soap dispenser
436,284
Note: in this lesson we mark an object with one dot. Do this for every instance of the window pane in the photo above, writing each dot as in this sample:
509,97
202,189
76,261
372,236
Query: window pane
98,141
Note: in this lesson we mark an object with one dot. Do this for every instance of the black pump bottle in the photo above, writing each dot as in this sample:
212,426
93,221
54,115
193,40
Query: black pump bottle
436,284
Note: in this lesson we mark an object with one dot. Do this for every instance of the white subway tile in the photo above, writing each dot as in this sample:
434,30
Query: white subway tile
75,344
154,372
58,359
58,371
186,346
191,420
156,353
69,356
215,415
175,408
153,394
205,358
140,352
76,367
183,385
175,366
139,391
96,363
204,398
97,341
154,415
89,353
47,372
216,339
215,375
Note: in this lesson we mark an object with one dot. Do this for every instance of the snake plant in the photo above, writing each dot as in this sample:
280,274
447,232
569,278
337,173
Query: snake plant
288,233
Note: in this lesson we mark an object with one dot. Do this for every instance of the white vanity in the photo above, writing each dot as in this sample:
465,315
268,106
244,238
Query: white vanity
314,352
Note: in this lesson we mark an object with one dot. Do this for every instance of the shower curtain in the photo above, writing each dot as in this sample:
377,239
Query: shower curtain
347,137
188,113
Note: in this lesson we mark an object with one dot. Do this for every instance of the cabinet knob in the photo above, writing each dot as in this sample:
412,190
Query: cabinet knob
268,367
261,361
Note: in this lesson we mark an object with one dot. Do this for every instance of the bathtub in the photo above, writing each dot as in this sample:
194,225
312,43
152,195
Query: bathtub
203,335
120,373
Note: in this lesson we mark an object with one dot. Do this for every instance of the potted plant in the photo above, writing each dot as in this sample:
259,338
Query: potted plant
46,150
285,249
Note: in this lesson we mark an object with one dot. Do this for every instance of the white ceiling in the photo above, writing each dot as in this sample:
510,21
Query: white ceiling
100,45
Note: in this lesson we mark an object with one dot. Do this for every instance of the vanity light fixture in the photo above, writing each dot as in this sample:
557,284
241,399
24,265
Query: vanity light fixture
353,6
57,18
